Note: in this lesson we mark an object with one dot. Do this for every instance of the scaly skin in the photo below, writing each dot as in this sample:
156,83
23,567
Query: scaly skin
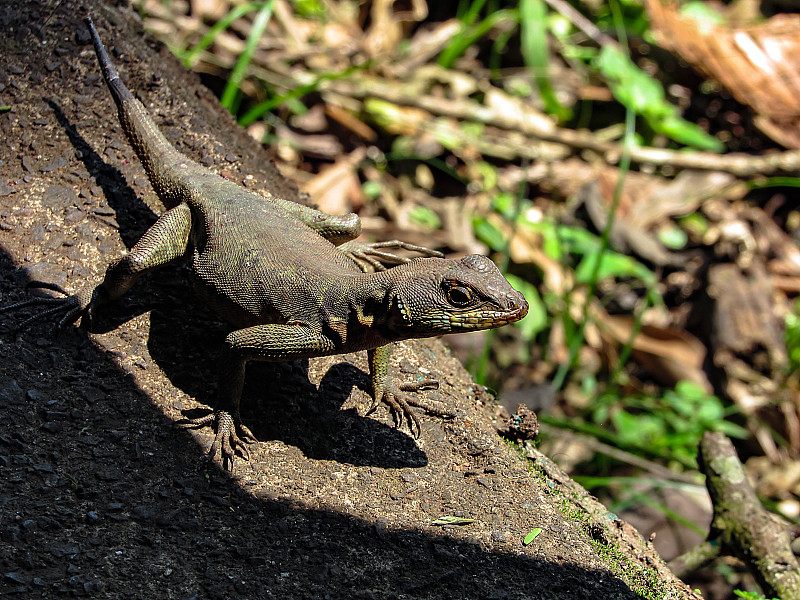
290,279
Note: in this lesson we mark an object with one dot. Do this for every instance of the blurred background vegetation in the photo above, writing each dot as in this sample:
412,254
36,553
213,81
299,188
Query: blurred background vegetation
628,164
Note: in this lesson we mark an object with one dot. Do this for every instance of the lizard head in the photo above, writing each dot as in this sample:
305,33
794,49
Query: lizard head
434,296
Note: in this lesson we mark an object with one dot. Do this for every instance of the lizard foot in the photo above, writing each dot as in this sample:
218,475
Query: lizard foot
73,305
371,256
400,404
226,441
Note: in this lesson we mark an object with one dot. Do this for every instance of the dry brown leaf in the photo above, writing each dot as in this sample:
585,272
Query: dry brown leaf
789,285
774,480
744,321
349,120
680,197
456,214
760,65
776,242
338,187
526,248
424,46
211,9
648,202
669,354
387,27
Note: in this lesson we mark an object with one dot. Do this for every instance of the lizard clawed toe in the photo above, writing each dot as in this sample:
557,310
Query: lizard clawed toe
423,384
226,441
400,407
73,305
400,404
427,384
47,285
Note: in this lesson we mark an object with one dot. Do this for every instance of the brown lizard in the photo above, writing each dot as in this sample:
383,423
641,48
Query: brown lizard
291,280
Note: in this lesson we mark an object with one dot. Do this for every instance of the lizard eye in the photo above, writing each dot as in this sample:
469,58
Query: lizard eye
459,296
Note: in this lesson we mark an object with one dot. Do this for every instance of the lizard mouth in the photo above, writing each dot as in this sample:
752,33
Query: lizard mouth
489,319
519,313
516,312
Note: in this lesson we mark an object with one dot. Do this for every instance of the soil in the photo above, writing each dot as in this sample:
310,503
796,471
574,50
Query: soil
102,495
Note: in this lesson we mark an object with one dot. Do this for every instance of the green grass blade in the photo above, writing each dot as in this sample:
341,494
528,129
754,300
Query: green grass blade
470,34
262,108
471,14
229,95
190,56
624,167
535,50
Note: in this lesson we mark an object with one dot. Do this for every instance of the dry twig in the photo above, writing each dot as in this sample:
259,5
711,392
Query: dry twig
742,527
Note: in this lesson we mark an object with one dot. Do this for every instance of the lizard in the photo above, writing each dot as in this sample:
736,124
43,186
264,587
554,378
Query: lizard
292,281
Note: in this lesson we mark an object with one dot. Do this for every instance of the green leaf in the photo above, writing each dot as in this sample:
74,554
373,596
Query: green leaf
535,50
773,182
642,430
488,173
531,536
695,223
645,95
424,216
630,85
673,237
732,430
310,9
792,337
292,96
681,130
710,412
231,92
692,390
490,235
551,241
471,33
703,15
505,204
372,189
751,595
612,264
577,240
190,56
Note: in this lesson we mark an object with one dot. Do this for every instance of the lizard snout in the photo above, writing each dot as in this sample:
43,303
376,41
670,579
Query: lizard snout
517,307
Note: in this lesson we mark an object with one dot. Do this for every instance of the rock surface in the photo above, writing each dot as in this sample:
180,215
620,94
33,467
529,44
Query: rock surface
101,494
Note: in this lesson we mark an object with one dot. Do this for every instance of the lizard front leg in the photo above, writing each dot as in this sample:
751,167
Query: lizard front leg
384,389
165,241
272,343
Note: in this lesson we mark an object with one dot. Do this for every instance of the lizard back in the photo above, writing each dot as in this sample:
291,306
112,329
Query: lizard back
255,263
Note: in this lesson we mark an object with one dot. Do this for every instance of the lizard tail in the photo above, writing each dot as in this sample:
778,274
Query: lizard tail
165,166
118,89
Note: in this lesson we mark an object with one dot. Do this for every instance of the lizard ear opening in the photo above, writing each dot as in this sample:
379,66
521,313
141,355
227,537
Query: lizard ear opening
401,308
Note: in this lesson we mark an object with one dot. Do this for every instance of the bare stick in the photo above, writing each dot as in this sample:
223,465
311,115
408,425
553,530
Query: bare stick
744,528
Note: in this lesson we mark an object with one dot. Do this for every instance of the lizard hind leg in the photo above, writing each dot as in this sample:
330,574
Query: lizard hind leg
225,418
269,342
164,242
